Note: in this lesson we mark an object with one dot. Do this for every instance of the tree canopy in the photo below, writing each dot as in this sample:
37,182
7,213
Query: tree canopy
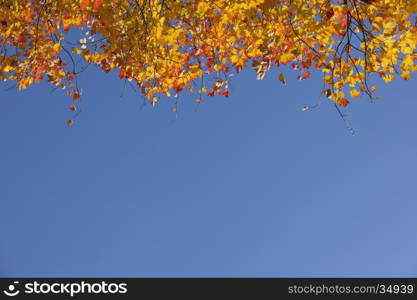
166,46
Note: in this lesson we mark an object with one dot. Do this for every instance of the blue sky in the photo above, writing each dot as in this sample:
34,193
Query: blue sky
243,186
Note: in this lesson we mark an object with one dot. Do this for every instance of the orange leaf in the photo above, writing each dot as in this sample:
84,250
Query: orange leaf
307,75
281,78
343,102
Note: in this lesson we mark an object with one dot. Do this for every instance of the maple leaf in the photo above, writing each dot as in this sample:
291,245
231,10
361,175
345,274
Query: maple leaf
167,47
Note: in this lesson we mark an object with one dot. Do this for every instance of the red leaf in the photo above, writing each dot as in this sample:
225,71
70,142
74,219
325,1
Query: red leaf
38,78
97,4
329,14
84,4
341,33
40,69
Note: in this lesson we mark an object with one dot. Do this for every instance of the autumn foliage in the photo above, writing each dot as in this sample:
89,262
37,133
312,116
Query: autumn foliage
167,46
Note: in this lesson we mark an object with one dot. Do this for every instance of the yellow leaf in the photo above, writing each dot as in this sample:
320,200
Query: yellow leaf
234,59
354,93
7,69
406,75
217,67
388,78
57,47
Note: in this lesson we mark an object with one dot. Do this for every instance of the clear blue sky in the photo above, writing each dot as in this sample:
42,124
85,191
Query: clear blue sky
244,186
